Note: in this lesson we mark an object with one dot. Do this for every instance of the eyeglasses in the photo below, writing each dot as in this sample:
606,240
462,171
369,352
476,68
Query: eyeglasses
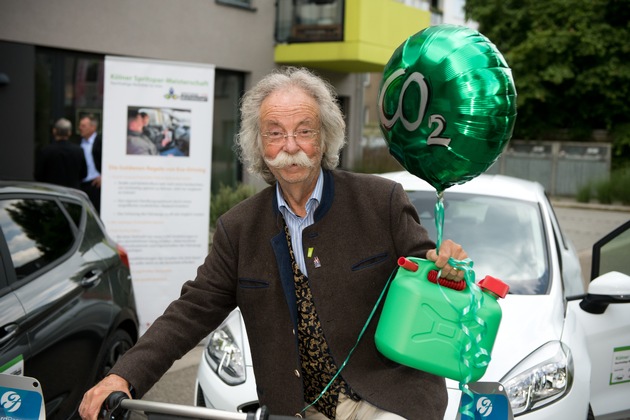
301,136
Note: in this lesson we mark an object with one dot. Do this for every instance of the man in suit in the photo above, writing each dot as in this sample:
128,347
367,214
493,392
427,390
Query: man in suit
305,260
61,162
92,146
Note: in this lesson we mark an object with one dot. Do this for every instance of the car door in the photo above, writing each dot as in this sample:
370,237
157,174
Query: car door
604,316
13,339
57,283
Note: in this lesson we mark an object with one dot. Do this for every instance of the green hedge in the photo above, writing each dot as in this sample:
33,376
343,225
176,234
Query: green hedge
226,198
614,190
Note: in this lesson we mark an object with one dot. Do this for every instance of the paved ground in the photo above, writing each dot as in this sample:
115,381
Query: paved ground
584,224
177,386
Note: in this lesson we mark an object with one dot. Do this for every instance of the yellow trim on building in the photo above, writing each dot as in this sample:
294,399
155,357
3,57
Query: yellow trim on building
373,29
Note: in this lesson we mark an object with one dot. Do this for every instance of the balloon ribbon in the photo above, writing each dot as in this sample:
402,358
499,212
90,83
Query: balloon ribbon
472,355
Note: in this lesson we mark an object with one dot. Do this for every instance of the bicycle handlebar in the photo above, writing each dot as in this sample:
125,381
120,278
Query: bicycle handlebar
118,403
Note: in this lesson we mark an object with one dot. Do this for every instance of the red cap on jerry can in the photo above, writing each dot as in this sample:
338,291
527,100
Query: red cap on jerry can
494,285
407,264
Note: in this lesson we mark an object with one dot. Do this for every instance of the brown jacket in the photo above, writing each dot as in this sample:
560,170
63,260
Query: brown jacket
363,224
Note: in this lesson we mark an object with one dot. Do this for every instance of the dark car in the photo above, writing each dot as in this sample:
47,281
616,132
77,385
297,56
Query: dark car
68,306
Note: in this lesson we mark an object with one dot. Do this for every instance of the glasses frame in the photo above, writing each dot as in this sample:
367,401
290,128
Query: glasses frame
296,136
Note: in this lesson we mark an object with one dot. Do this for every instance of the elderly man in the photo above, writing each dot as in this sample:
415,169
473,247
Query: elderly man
305,260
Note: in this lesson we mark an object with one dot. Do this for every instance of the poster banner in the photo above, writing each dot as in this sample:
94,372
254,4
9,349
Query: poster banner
155,193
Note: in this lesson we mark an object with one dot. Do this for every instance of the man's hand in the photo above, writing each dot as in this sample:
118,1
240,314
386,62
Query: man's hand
94,398
448,249
97,182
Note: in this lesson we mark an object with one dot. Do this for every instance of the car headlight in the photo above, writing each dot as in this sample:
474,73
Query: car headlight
225,357
541,378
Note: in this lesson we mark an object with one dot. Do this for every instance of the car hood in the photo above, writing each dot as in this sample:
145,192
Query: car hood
527,323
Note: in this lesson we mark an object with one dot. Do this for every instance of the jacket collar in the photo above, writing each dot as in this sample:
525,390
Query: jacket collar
328,193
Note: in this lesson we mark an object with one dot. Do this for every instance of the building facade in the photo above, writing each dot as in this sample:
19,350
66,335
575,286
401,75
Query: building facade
52,59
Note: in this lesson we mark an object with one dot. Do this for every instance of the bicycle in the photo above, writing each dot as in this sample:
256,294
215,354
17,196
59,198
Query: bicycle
118,405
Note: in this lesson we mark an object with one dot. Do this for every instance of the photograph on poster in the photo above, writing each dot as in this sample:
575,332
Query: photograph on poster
158,131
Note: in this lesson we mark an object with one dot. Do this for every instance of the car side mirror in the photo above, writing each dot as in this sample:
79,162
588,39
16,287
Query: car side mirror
612,287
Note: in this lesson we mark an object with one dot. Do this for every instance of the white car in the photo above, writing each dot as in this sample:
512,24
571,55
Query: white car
560,352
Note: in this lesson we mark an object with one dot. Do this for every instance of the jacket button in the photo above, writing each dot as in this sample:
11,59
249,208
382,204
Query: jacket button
293,332
297,373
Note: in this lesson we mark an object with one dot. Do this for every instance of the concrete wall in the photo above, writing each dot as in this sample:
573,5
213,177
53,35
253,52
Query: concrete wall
562,167
200,31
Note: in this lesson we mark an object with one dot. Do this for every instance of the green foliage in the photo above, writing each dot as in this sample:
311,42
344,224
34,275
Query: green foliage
604,192
621,146
610,191
570,60
226,198
620,184
583,194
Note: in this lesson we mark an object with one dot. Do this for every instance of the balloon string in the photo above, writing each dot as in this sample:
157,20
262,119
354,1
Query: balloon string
472,355
439,218
365,327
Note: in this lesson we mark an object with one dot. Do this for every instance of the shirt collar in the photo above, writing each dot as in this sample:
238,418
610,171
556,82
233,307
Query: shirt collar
313,201
90,139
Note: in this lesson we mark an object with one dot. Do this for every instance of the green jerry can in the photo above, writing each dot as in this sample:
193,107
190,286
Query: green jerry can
430,326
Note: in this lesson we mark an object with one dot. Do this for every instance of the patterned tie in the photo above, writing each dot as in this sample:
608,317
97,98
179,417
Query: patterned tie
318,366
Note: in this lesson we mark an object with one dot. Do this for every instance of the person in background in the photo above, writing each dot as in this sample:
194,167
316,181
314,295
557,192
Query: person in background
61,162
92,146
305,260
137,142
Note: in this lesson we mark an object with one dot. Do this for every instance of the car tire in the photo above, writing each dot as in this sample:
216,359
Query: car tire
116,345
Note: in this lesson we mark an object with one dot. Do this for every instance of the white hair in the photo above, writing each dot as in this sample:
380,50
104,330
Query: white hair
333,126
63,127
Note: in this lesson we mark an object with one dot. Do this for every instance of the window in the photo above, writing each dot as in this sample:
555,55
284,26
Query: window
36,231
67,84
309,20
75,211
504,238
70,84
226,168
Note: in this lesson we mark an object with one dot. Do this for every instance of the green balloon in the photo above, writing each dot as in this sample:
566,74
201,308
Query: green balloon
447,104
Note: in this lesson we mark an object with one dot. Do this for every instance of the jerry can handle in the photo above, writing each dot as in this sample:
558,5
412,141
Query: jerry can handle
432,276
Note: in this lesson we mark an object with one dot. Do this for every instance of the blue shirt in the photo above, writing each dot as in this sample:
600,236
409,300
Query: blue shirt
86,145
296,224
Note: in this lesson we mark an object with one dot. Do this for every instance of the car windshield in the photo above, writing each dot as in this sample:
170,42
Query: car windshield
503,237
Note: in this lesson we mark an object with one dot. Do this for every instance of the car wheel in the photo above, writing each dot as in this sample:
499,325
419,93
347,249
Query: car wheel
115,346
